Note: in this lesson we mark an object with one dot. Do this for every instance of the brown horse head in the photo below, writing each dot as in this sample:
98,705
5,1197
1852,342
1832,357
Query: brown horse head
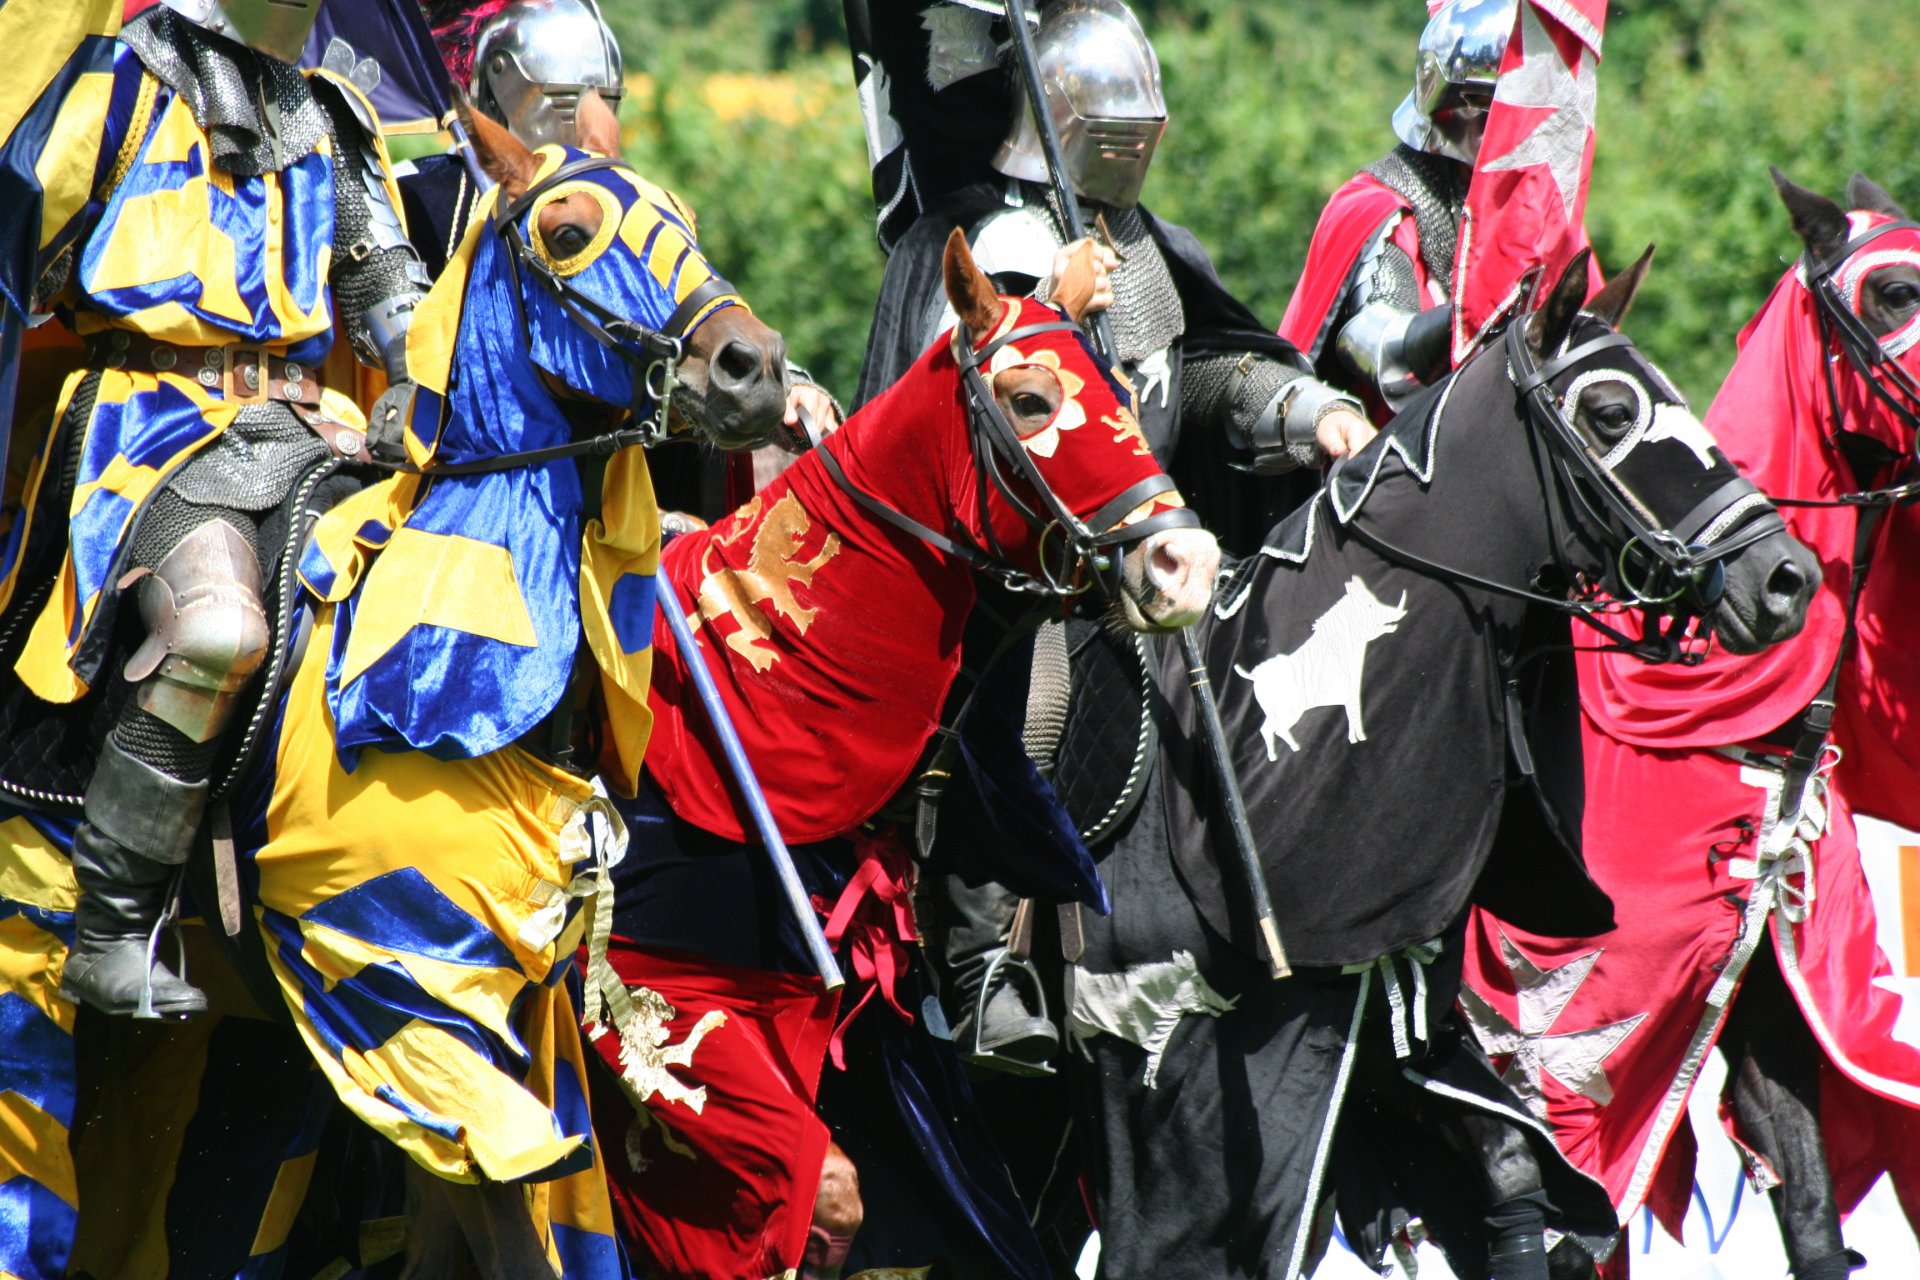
731,386
1051,386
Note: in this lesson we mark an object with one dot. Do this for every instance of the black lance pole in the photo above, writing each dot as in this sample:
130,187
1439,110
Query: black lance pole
1050,144
1210,727
1236,805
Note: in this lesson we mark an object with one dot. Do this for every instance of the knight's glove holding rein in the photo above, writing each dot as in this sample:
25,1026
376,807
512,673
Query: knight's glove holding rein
382,333
387,423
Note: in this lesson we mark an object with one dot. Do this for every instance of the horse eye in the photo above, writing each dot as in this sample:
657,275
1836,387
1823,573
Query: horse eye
1899,294
568,239
1029,405
1611,418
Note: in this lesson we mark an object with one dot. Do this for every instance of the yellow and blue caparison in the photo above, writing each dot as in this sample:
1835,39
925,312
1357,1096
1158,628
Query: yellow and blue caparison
419,877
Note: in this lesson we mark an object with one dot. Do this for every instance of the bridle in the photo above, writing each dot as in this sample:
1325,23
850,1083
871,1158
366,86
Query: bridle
1885,377
1083,558
1657,567
654,355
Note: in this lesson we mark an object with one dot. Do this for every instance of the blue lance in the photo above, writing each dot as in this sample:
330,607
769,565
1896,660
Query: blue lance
741,768
1212,731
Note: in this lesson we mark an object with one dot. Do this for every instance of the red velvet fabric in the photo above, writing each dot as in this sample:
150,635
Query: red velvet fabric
834,637
725,1185
1664,817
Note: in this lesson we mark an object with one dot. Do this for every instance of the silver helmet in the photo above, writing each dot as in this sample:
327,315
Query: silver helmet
277,28
535,58
1453,77
1102,85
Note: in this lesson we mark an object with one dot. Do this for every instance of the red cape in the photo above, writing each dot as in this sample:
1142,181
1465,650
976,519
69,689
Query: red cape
1771,417
1351,219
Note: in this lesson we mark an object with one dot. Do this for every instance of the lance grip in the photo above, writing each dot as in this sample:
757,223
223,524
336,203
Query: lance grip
798,902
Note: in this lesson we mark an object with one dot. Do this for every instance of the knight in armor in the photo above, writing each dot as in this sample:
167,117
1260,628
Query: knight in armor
1225,405
1372,308
526,64
239,211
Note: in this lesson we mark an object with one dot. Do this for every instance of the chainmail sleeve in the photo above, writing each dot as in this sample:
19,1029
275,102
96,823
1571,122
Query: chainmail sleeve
1246,398
377,278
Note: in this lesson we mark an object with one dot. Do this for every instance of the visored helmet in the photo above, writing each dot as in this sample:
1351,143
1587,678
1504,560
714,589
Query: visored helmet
277,28
1102,85
1453,77
535,58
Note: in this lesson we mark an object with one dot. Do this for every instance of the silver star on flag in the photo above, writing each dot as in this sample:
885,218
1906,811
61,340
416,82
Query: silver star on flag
1543,80
1577,1059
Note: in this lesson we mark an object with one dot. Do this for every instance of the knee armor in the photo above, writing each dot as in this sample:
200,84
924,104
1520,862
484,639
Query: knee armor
206,630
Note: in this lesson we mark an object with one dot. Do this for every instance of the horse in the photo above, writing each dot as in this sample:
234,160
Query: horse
829,611
1753,925
1227,1110
407,813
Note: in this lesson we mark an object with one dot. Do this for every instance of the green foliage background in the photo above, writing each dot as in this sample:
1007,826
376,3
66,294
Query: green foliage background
1274,105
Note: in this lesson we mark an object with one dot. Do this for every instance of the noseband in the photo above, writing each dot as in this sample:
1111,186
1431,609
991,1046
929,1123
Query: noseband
1658,566
1084,544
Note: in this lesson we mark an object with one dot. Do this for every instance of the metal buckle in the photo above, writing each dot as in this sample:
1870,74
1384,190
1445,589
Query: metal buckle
233,384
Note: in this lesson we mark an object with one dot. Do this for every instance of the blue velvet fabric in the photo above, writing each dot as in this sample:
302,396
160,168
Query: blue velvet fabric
1040,853
452,693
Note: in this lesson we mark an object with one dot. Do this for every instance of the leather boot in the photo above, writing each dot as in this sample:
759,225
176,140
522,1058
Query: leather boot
994,1001
1006,1027
1517,1247
140,824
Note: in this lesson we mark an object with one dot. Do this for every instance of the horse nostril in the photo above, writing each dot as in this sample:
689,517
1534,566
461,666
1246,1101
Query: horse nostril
737,364
1787,581
1165,566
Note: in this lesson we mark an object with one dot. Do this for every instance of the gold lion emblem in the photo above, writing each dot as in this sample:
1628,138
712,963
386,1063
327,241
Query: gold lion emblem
645,1057
774,566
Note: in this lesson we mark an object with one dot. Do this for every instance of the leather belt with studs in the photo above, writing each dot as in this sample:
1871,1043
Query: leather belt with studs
238,372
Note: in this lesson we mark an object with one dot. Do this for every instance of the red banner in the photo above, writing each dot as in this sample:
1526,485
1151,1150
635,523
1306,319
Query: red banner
1526,207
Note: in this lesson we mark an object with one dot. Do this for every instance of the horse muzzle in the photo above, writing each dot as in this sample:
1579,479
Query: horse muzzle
1167,579
1768,589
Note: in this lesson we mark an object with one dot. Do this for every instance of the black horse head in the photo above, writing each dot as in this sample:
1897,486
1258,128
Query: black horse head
1655,514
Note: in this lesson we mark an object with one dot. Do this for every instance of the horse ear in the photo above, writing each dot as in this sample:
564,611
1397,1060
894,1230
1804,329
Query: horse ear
503,157
1550,323
598,127
1819,222
968,288
1611,303
1864,193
